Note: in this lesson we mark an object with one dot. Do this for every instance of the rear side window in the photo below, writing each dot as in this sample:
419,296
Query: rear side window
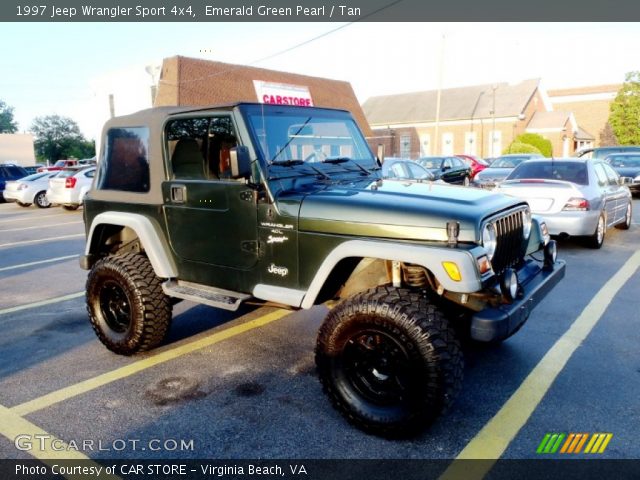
125,165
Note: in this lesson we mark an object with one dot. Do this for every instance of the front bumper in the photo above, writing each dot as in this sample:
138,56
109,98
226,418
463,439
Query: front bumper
498,323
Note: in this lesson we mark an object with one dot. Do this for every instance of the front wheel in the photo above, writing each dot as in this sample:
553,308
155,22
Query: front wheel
389,361
127,307
41,200
626,224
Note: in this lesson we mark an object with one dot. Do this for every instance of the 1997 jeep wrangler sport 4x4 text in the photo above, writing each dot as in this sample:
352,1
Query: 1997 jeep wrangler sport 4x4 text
286,205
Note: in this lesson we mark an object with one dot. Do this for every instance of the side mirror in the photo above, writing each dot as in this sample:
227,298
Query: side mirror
381,153
240,162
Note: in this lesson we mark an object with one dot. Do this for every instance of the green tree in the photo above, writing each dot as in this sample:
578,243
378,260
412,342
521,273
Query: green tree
542,144
7,123
519,147
59,137
625,111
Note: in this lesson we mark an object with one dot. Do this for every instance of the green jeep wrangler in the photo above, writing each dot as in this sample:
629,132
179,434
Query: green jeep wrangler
286,205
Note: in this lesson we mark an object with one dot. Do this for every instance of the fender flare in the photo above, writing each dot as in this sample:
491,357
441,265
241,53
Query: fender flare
150,236
427,256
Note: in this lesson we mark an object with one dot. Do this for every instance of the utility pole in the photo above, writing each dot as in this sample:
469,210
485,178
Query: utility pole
439,95
493,121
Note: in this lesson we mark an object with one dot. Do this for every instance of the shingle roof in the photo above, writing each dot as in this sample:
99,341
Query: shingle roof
584,135
548,120
455,104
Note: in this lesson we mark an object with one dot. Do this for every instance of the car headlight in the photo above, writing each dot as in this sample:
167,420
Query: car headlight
489,239
526,223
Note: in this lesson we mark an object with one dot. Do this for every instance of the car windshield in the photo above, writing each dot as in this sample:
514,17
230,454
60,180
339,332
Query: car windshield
624,161
575,172
431,163
508,162
303,136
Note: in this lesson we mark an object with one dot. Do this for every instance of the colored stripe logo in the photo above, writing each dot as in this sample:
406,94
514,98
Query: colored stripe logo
574,443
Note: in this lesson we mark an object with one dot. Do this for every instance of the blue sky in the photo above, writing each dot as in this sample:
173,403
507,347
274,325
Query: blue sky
48,67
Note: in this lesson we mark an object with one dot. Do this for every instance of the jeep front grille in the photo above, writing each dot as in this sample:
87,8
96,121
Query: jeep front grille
509,247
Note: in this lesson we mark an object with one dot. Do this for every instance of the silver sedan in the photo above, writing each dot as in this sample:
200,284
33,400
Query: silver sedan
575,197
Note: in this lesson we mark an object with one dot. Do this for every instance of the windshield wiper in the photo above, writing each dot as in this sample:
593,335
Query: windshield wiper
294,162
336,160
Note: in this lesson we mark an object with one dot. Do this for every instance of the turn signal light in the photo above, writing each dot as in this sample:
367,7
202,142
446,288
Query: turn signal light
70,182
577,204
453,271
484,265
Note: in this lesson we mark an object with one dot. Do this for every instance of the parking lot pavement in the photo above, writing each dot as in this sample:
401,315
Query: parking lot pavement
243,384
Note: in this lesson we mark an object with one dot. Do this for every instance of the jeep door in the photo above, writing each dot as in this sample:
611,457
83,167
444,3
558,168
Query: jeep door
211,218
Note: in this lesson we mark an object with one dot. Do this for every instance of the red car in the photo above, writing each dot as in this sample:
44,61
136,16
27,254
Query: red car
476,164
59,165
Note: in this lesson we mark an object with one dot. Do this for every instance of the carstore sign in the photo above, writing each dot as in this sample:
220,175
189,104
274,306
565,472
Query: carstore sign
283,94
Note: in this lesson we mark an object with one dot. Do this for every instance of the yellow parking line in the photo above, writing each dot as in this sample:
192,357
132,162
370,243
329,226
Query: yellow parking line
494,438
31,217
25,242
39,262
44,446
41,303
148,362
39,226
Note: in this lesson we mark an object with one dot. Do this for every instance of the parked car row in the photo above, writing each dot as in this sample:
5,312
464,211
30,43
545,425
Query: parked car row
66,187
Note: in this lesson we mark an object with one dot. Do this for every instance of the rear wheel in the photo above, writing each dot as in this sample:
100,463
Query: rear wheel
389,361
41,200
626,224
127,307
597,239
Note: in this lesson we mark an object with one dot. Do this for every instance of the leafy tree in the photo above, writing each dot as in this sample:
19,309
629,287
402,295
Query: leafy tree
519,147
607,137
59,137
542,144
625,111
7,123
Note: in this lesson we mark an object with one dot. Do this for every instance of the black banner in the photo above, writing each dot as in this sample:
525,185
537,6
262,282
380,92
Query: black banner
551,469
315,11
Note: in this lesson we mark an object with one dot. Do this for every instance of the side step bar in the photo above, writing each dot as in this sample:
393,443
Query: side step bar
214,297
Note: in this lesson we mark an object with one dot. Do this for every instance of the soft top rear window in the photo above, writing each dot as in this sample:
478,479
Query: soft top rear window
125,165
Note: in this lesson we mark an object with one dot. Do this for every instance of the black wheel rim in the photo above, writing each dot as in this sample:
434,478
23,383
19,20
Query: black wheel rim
115,307
378,367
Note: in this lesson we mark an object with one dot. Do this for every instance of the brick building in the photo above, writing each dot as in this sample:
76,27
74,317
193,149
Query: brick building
590,107
190,81
478,120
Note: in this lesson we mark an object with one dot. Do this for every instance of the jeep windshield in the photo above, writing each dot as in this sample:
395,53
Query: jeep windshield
308,141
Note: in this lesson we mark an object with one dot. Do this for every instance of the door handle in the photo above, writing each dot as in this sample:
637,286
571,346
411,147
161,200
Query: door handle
178,193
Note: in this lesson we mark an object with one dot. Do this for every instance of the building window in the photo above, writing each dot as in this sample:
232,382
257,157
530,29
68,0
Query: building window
470,143
425,145
447,143
405,146
495,143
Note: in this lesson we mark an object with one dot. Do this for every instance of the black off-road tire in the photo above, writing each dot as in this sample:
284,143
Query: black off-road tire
628,215
389,361
127,307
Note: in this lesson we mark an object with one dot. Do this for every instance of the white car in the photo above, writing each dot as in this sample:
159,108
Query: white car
69,187
30,189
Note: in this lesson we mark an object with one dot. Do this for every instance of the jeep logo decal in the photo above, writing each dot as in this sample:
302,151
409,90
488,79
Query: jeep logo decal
282,271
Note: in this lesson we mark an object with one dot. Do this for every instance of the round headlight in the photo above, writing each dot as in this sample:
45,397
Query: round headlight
489,239
526,223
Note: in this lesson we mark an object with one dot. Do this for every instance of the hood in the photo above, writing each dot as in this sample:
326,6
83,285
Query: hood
397,209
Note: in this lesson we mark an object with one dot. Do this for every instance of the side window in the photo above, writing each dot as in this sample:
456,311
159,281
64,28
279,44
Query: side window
398,170
199,148
415,170
612,176
446,163
125,165
602,176
14,172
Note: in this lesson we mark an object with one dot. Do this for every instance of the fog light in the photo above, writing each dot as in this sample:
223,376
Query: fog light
509,284
452,270
550,254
